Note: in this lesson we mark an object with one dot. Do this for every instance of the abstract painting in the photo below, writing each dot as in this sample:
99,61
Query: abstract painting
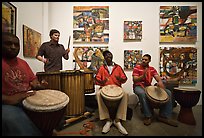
131,58
132,30
179,63
178,24
91,24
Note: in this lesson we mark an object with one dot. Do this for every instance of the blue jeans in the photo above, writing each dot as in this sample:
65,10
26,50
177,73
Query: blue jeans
165,110
16,123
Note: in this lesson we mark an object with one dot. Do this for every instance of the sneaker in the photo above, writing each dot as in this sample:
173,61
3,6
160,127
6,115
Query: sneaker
147,121
168,121
106,127
120,128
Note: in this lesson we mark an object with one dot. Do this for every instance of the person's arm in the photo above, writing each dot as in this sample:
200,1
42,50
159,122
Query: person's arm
159,81
66,55
40,58
16,98
139,78
36,85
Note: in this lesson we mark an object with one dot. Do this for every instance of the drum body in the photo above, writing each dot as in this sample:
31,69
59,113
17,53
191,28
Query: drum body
72,83
89,82
112,95
53,79
46,109
156,96
187,98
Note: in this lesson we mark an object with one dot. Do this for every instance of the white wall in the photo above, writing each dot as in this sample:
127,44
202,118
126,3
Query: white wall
59,15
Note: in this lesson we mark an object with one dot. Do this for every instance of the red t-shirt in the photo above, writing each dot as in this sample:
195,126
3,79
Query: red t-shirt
139,71
103,73
16,76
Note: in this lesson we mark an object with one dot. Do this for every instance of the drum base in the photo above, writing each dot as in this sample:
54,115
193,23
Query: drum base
186,116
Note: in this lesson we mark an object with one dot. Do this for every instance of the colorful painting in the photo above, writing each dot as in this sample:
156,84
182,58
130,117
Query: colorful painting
131,58
132,30
91,24
31,42
178,24
88,57
179,63
8,17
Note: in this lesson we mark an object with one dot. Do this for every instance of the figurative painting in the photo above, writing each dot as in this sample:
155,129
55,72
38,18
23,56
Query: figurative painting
90,58
131,58
179,64
178,24
31,42
91,24
132,30
8,17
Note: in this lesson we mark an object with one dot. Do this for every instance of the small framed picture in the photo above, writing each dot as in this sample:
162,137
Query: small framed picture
8,17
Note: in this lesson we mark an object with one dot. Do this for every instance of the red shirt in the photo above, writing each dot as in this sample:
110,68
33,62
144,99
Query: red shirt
16,76
139,71
103,73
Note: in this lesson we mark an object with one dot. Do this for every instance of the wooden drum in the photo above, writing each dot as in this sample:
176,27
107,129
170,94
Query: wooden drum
89,82
72,83
156,96
46,109
112,95
53,79
187,98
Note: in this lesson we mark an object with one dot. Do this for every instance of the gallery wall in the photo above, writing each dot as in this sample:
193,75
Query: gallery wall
43,16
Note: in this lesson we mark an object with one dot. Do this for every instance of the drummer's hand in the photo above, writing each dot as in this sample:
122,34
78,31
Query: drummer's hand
119,78
44,84
17,98
67,50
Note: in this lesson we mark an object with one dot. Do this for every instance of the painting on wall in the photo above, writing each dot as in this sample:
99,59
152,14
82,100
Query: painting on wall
179,64
8,17
132,30
91,24
31,42
88,57
178,24
131,58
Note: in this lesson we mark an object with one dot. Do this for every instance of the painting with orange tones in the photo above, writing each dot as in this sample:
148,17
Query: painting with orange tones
178,24
31,42
131,58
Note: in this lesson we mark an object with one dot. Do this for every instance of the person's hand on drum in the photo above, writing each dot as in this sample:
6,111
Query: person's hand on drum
16,98
44,83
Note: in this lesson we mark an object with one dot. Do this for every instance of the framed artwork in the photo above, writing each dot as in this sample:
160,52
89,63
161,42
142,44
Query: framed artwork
91,24
179,64
178,24
132,30
31,42
8,17
88,57
131,58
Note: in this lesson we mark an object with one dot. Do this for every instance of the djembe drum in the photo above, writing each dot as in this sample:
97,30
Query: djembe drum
112,95
72,83
46,109
187,98
53,79
156,96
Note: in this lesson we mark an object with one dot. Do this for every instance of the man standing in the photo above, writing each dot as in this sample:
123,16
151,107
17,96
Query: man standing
51,53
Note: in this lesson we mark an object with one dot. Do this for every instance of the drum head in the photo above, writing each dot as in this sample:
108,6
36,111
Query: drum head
46,101
112,92
156,93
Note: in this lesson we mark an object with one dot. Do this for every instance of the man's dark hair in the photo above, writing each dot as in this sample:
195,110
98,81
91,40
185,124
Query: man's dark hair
147,55
53,31
106,52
